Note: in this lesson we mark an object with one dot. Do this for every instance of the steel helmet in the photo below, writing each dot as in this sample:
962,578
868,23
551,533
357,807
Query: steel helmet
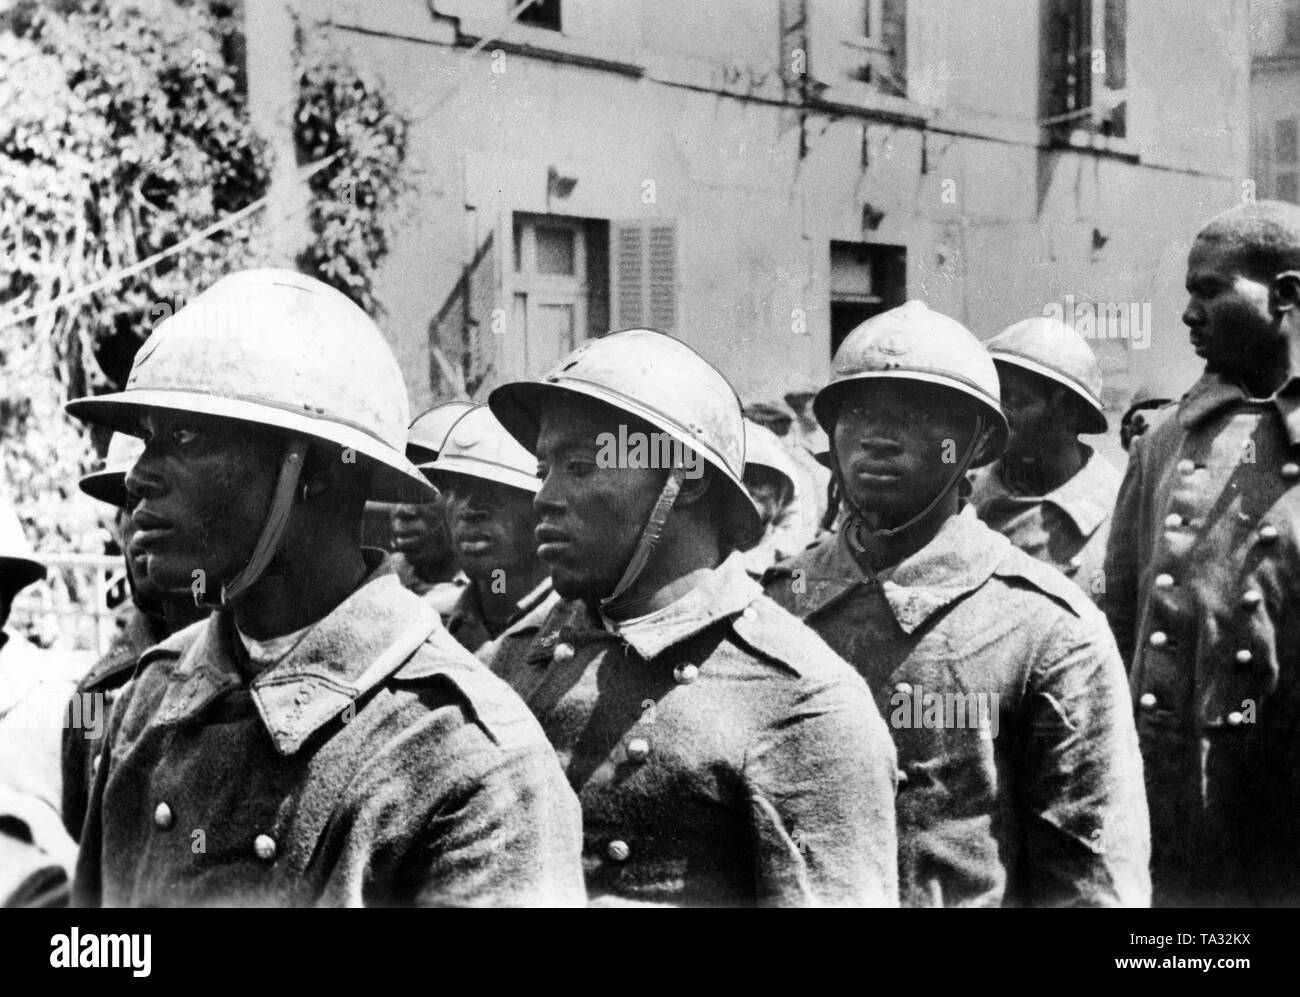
479,446
108,484
659,379
1051,349
913,343
279,349
18,568
429,430
763,448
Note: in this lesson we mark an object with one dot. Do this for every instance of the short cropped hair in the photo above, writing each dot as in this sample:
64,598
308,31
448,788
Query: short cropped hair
1263,236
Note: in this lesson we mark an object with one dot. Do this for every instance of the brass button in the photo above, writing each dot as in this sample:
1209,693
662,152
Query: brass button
1251,598
1234,719
685,674
904,687
264,847
1147,700
94,766
1243,657
618,850
748,613
1159,639
562,653
1075,564
163,818
1291,470
1173,521
638,750
1186,466
1164,581
1268,533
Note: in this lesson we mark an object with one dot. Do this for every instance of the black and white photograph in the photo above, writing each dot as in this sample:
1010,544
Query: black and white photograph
651,453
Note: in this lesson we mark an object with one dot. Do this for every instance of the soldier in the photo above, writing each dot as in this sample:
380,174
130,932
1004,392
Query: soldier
23,665
1020,780
424,559
320,738
36,854
1050,494
1202,573
149,617
489,481
721,752
770,476
1146,409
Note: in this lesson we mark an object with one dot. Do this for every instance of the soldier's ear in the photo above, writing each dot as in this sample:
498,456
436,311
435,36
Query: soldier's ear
1284,292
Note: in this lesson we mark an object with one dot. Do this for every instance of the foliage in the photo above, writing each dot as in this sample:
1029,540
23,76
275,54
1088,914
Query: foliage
122,134
342,114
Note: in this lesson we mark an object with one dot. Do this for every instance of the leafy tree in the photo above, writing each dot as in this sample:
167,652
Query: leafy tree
342,114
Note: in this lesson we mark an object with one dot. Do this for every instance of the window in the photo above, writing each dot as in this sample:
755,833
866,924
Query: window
539,14
1286,159
1291,35
560,285
1084,67
866,279
863,40
644,267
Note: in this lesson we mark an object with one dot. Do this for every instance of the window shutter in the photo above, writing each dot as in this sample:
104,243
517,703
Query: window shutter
643,267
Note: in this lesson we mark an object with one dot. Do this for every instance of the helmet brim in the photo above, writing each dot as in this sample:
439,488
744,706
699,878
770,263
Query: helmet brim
395,478
827,402
519,404
107,486
16,573
501,474
1094,419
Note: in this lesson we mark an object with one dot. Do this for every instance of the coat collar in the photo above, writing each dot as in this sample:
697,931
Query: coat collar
1214,392
724,592
960,558
1087,498
321,678
468,610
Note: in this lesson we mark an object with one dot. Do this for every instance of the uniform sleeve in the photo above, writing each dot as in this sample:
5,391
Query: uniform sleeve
509,834
1087,834
1120,569
821,783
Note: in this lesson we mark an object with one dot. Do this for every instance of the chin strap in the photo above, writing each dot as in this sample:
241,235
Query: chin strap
857,520
654,528
277,517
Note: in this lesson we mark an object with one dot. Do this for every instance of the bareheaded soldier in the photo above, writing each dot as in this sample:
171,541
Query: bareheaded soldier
320,738
721,751
1202,577
1049,493
489,481
1020,779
